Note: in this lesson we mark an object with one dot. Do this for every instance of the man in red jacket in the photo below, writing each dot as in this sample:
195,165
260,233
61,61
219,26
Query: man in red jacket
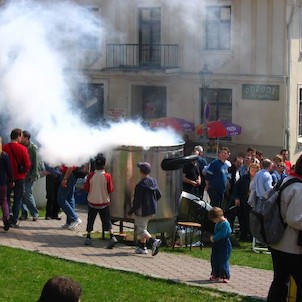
20,164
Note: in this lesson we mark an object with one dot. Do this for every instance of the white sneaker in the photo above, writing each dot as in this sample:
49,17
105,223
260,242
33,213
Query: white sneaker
65,226
74,224
155,246
139,250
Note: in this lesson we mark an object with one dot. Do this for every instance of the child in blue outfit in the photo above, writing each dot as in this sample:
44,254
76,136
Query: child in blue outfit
222,247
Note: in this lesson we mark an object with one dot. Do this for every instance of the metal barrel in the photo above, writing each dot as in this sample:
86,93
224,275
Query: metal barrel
122,165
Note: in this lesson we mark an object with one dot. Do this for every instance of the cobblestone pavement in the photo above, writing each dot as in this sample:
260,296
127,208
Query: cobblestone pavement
47,237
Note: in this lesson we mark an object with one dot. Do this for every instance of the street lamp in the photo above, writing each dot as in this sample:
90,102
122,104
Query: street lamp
206,78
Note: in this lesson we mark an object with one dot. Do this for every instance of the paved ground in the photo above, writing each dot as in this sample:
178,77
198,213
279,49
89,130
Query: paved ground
46,237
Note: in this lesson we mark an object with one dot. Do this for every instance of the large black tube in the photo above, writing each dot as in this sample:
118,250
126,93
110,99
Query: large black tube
176,163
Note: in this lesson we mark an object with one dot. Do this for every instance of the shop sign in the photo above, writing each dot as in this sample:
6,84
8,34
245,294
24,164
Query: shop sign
116,114
260,92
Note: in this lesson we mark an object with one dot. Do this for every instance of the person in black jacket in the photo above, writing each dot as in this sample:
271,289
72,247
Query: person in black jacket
144,207
6,181
234,176
241,195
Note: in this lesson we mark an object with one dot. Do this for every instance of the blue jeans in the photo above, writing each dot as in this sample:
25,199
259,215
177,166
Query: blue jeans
18,190
28,202
66,199
221,252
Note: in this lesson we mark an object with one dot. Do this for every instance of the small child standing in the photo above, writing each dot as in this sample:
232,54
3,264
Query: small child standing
222,246
144,207
99,185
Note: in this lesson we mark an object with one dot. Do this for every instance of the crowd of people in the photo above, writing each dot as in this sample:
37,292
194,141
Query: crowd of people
227,184
21,166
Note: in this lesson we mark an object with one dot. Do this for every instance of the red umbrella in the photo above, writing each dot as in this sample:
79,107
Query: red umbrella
217,129
176,123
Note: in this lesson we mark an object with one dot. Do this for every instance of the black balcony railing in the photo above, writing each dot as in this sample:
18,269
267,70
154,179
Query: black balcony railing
142,56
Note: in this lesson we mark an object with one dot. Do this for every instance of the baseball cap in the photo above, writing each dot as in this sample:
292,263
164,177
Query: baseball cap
198,148
144,167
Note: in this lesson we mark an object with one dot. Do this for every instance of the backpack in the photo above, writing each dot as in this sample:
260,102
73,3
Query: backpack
266,223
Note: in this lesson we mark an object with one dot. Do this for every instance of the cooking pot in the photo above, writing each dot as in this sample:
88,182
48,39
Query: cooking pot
166,166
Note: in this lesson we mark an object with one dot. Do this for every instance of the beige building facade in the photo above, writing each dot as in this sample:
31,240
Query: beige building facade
148,64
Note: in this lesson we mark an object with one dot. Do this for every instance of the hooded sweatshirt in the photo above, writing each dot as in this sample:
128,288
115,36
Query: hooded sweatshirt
145,199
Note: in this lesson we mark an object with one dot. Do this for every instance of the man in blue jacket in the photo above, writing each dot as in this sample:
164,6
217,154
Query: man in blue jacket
217,178
144,207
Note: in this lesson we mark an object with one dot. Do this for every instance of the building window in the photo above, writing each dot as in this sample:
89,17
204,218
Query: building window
89,98
148,102
154,102
218,27
149,36
300,112
91,41
220,104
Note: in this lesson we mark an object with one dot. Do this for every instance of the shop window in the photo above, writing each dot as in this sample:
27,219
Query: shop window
220,104
154,102
90,101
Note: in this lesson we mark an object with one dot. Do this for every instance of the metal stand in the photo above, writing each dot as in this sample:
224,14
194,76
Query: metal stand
259,247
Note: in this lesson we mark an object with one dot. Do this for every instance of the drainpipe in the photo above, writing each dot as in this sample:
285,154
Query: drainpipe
288,75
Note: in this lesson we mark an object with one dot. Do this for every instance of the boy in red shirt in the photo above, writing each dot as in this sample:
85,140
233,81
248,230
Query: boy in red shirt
99,185
20,163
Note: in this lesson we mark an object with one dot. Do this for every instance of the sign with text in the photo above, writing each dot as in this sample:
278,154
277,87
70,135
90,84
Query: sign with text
260,92
116,114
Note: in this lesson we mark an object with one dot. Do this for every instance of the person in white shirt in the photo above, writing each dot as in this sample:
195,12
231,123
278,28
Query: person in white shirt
263,181
99,185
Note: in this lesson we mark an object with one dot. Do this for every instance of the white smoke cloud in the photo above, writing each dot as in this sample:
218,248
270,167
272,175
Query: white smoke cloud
38,42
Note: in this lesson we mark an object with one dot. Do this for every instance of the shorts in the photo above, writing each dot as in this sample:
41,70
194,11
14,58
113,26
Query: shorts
141,224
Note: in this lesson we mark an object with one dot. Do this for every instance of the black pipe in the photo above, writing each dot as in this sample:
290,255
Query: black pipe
176,163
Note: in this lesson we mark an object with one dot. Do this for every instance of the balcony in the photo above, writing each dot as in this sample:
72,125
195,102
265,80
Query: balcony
142,56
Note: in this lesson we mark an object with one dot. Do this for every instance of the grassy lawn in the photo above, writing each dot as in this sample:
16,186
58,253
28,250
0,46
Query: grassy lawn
24,273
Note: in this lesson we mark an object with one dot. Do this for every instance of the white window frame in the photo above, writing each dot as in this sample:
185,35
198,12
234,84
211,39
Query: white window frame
299,113
300,32
230,30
